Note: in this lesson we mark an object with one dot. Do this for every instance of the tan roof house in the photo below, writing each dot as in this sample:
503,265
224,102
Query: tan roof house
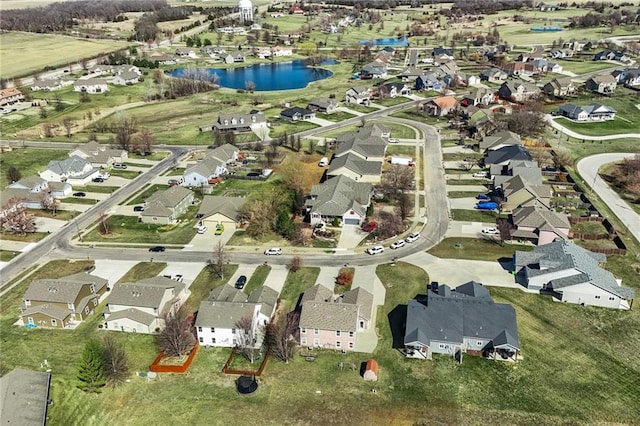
440,106
164,207
539,226
215,209
62,302
99,155
517,192
604,84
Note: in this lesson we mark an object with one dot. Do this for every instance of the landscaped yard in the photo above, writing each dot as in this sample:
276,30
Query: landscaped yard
29,161
143,270
206,281
475,249
8,255
257,279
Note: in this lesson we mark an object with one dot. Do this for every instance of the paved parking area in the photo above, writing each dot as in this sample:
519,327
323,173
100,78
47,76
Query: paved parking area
48,224
188,270
467,229
463,203
113,270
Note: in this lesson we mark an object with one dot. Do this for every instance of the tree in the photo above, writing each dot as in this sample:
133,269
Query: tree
13,174
16,219
219,260
114,356
49,201
397,178
504,228
303,236
563,159
279,336
90,368
295,264
284,225
145,140
525,123
246,336
176,339
104,223
125,129
68,124
404,205
389,224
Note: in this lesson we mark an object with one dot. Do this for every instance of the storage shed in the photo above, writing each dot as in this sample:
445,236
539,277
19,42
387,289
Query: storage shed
371,371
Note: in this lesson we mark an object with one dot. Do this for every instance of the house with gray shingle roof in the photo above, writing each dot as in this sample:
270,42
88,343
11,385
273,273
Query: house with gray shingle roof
324,105
99,155
213,165
91,85
164,207
24,397
217,318
353,166
216,209
592,112
140,307
339,197
358,95
507,153
462,320
62,302
499,140
333,322
529,171
359,155
604,84
238,122
571,274
517,192
74,170
518,91
539,226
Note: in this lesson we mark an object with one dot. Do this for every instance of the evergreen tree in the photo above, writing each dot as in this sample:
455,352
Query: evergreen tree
284,224
90,368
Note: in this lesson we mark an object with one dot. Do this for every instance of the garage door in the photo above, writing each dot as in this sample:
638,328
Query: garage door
227,224
352,221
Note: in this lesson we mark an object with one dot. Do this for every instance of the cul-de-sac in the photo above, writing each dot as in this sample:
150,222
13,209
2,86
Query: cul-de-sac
305,212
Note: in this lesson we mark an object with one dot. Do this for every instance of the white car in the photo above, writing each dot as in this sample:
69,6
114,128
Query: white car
273,251
375,250
202,229
490,231
394,140
104,175
414,236
481,175
397,244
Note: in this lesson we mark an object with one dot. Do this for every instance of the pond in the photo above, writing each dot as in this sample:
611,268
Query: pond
390,41
266,76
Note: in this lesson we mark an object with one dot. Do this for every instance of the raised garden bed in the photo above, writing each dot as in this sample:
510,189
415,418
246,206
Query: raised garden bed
180,365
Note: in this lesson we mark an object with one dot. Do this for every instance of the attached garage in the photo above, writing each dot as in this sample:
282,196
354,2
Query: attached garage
220,210
218,218
352,221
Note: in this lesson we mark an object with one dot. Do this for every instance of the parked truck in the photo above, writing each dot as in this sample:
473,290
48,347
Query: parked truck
405,161
487,205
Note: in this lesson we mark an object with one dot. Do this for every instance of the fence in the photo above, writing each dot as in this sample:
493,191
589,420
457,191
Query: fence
256,373
156,367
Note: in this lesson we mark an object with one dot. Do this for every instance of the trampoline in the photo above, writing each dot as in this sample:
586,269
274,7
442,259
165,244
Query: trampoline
246,385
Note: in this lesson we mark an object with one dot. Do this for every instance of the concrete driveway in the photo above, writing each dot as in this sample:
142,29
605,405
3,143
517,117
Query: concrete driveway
112,270
350,237
277,277
327,276
243,269
188,270
48,224
480,189
366,278
467,229
208,241
463,203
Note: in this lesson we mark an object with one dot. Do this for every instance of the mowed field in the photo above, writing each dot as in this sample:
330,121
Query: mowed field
24,53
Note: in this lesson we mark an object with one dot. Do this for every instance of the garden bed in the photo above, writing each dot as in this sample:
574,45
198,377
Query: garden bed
162,364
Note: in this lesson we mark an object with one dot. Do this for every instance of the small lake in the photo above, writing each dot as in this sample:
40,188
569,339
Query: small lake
389,41
268,76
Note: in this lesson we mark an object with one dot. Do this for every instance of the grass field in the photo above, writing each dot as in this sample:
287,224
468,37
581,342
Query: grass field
143,270
28,161
146,193
475,249
31,237
473,215
24,53
8,255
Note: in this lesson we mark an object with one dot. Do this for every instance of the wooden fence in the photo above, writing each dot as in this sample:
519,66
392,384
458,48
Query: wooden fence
227,370
156,367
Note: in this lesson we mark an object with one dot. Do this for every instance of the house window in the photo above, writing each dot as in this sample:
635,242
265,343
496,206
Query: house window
92,287
303,330
213,340
612,298
54,323
199,329
316,331
361,324
350,345
234,342
351,334
316,343
213,330
233,331
70,306
200,339
597,297
337,343
441,346
303,341
95,302
86,310
337,333
27,302
479,343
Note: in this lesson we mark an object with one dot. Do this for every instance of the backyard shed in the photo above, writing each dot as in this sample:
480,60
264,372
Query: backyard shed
371,371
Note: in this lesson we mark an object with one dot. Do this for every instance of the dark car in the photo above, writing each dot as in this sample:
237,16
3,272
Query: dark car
97,180
79,194
138,209
241,281
157,249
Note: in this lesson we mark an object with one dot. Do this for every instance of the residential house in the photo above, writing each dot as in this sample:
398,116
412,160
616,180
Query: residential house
296,114
480,121
238,122
10,96
539,226
91,85
505,154
358,95
99,155
560,53
323,105
537,52
333,322
630,77
518,91
233,57
493,75
61,302
74,170
410,73
141,307
611,55
464,320
359,155
604,84
394,90
339,197
213,51
499,140
440,106
375,69
13,199
24,397
480,96
126,68
559,87
355,167
36,185
529,171
443,52
163,58
126,78
571,274
429,81
578,45
47,85
518,192
165,206
214,164
100,69
220,210
592,112
554,67
217,320
516,68
186,52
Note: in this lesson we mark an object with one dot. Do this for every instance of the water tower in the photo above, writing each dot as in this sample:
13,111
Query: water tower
246,11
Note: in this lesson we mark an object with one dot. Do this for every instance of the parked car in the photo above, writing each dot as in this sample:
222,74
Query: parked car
324,161
273,251
394,140
414,236
483,197
370,226
79,194
481,175
174,182
104,175
397,244
202,229
240,282
486,205
490,231
138,209
97,180
219,229
120,166
178,277
157,249
375,250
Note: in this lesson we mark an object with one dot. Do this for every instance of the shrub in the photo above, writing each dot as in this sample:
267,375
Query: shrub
344,278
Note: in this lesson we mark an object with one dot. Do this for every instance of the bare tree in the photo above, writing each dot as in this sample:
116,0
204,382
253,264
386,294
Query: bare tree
49,201
68,124
125,129
246,336
16,219
541,156
398,178
176,339
295,264
250,86
104,223
563,159
404,205
116,368
389,224
219,260
145,141
504,227
279,336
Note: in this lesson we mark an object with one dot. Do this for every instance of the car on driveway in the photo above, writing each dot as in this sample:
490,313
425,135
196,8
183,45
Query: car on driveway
79,194
483,197
397,244
490,231
414,236
240,282
219,229
394,140
202,229
120,166
370,226
157,249
273,251
481,175
138,209
375,250
97,180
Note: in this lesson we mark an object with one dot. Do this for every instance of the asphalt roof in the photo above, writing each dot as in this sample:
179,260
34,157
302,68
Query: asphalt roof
134,315
23,397
340,194
147,293
222,314
356,164
506,153
62,290
227,206
329,316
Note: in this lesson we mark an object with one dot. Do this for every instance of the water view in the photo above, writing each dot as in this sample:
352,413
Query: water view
267,76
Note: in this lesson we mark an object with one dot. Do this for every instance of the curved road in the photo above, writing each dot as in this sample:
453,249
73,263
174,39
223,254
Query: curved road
553,123
588,168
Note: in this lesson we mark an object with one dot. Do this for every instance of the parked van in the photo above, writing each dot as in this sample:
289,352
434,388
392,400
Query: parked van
324,161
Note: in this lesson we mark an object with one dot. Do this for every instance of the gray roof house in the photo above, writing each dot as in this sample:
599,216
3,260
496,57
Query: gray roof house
517,192
238,122
499,140
164,207
452,322
24,397
296,114
213,165
215,209
217,318
75,170
358,95
356,168
518,91
99,155
359,155
529,171
539,226
507,153
333,322
571,274
592,112
324,105
140,307
339,197
559,86
604,84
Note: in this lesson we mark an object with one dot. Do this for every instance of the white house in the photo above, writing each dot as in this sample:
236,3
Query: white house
91,85
213,165
73,170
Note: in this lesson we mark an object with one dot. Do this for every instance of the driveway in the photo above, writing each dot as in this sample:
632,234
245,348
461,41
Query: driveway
188,270
463,203
480,189
277,277
243,269
319,121
208,241
467,229
350,237
48,224
366,278
588,168
327,276
112,270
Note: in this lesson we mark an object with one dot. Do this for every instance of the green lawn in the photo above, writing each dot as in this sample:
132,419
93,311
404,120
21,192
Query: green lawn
31,237
29,161
391,101
604,128
258,278
206,281
79,200
127,174
580,66
8,255
296,283
336,116
96,188
479,181
475,249
474,215
461,194
60,214
412,114
403,132
143,270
